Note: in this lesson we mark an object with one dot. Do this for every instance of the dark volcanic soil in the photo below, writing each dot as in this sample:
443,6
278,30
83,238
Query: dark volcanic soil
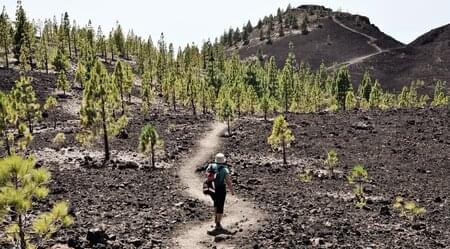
124,204
406,153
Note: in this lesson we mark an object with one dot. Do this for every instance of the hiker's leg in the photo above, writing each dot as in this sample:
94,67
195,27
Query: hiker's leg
220,206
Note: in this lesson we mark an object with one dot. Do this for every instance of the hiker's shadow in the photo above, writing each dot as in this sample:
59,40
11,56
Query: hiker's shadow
221,231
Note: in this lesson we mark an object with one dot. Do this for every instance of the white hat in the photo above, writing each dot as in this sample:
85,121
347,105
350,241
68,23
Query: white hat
220,158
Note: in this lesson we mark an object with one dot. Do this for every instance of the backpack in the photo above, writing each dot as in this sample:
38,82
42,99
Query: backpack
209,184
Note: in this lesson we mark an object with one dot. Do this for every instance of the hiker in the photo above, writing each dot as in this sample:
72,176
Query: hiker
219,169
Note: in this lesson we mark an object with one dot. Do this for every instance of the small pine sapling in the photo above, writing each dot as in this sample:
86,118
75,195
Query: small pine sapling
50,106
440,97
357,177
149,141
281,136
306,176
409,209
21,183
59,140
225,110
350,100
62,83
331,161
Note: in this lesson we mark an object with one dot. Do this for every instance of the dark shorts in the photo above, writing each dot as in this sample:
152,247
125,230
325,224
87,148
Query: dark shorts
219,199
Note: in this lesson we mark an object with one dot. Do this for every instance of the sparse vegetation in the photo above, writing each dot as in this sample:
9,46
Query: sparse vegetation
50,106
281,136
306,176
357,177
21,184
149,141
331,161
409,209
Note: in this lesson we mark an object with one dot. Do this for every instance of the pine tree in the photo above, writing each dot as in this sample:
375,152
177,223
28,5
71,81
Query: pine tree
66,28
342,86
304,26
271,77
43,48
25,102
5,34
440,97
350,100
21,183
119,40
8,117
245,36
237,36
266,104
50,106
80,74
62,83
287,80
100,99
149,141
147,90
281,136
24,65
331,161
225,109
161,61
375,95
20,31
365,87
122,82
61,61
403,100
261,35
249,27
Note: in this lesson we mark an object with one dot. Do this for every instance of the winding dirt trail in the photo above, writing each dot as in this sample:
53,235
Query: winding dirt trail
239,214
371,41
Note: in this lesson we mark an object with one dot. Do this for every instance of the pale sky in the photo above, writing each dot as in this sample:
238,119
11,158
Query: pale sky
186,21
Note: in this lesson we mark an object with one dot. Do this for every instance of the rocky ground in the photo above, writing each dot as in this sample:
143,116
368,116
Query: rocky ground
125,203
406,153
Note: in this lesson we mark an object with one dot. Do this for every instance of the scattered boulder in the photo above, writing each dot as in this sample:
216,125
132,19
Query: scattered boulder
96,236
128,165
361,126
385,211
123,134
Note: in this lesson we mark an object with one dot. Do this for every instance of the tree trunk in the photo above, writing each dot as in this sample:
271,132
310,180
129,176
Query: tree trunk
105,132
70,47
30,58
23,242
153,155
228,126
194,112
54,120
75,46
265,115
122,100
6,54
30,124
7,147
283,144
285,102
174,100
46,61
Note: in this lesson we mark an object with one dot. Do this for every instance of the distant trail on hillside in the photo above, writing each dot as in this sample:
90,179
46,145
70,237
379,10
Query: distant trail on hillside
237,212
371,41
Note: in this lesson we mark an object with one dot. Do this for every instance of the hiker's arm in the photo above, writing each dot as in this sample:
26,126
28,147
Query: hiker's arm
229,184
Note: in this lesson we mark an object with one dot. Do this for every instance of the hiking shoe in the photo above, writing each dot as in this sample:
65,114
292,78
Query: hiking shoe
214,232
